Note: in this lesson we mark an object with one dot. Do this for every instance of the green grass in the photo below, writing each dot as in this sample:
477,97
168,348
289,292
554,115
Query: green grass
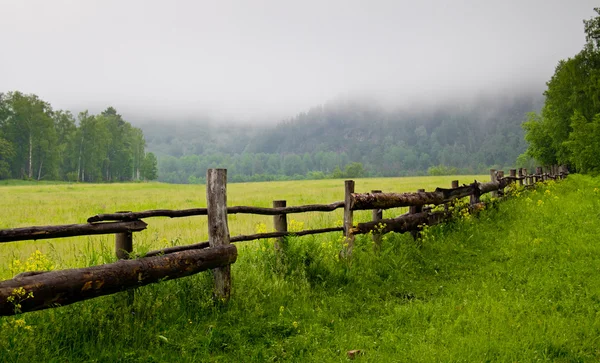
519,282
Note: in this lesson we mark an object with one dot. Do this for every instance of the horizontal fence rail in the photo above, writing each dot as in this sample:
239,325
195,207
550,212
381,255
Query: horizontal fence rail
47,289
69,230
246,238
36,290
125,216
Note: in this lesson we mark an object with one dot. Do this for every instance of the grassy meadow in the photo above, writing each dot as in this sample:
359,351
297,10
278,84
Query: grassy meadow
517,282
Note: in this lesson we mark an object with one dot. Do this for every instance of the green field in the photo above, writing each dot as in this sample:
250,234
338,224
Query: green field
518,282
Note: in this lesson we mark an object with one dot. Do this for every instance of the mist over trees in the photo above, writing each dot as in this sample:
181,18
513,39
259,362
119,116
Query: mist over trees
350,139
37,142
567,130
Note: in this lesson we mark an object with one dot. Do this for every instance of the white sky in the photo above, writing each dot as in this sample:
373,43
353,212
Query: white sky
255,60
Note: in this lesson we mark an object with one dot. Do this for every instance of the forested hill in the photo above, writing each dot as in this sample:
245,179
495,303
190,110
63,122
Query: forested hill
331,140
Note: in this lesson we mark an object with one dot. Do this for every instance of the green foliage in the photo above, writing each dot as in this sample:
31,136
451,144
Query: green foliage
149,167
7,153
572,100
441,170
584,143
37,142
354,170
539,139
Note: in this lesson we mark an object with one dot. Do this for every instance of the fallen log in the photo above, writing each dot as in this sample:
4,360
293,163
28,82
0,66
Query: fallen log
55,288
69,230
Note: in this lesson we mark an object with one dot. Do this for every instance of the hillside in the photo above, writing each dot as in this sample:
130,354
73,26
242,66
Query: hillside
467,136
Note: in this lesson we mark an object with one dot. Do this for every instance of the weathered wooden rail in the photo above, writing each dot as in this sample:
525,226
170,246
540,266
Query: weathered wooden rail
45,289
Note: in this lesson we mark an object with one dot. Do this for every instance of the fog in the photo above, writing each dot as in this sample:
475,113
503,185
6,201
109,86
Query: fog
258,61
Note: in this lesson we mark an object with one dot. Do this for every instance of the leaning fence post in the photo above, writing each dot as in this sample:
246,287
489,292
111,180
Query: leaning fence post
218,230
348,219
377,216
280,225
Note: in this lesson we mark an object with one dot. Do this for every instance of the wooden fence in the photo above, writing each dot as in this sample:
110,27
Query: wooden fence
36,290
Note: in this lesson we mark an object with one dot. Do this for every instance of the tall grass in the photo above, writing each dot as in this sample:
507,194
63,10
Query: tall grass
518,282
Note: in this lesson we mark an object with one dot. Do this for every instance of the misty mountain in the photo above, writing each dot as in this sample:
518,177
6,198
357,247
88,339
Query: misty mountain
469,136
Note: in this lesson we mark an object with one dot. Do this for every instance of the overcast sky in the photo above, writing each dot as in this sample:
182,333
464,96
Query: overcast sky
254,60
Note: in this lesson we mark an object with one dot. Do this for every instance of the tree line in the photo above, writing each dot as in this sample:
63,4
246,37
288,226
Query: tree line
351,139
40,143
567,129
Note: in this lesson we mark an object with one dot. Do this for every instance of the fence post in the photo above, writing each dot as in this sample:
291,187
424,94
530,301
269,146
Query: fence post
348,220
474,198
218,230
562,169
413,209
123,243
500,176
520,176
538,174
453,185
280,225
493,178
377,216
525,174
512,173
123,250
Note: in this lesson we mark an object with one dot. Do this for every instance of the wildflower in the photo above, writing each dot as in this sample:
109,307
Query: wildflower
540,203
548,192
380,227
260,227
17,296
295,226
21,324
281,309
295,324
